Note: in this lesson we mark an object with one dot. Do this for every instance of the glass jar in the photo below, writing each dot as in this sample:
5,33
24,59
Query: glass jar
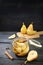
20,46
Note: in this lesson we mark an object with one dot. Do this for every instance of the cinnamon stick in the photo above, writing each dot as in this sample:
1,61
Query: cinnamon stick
9,55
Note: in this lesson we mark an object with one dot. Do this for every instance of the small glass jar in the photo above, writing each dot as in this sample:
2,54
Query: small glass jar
20,46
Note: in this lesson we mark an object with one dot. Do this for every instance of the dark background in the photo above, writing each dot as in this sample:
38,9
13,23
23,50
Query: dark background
14,12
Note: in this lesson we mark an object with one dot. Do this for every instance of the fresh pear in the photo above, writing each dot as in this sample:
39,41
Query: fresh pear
30,29
32,55
23,29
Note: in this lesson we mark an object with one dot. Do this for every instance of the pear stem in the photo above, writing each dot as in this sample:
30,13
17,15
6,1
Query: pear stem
32,23
23,23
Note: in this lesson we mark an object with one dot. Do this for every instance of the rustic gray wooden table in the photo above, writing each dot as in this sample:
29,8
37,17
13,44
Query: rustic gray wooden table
6,43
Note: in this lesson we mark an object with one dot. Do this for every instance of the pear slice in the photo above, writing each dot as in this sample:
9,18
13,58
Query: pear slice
12,36
32,55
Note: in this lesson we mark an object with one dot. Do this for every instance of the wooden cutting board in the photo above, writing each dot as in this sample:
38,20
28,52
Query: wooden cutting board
37,35
40,32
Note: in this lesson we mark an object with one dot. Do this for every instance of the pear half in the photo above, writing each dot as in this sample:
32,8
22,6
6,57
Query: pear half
32,55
